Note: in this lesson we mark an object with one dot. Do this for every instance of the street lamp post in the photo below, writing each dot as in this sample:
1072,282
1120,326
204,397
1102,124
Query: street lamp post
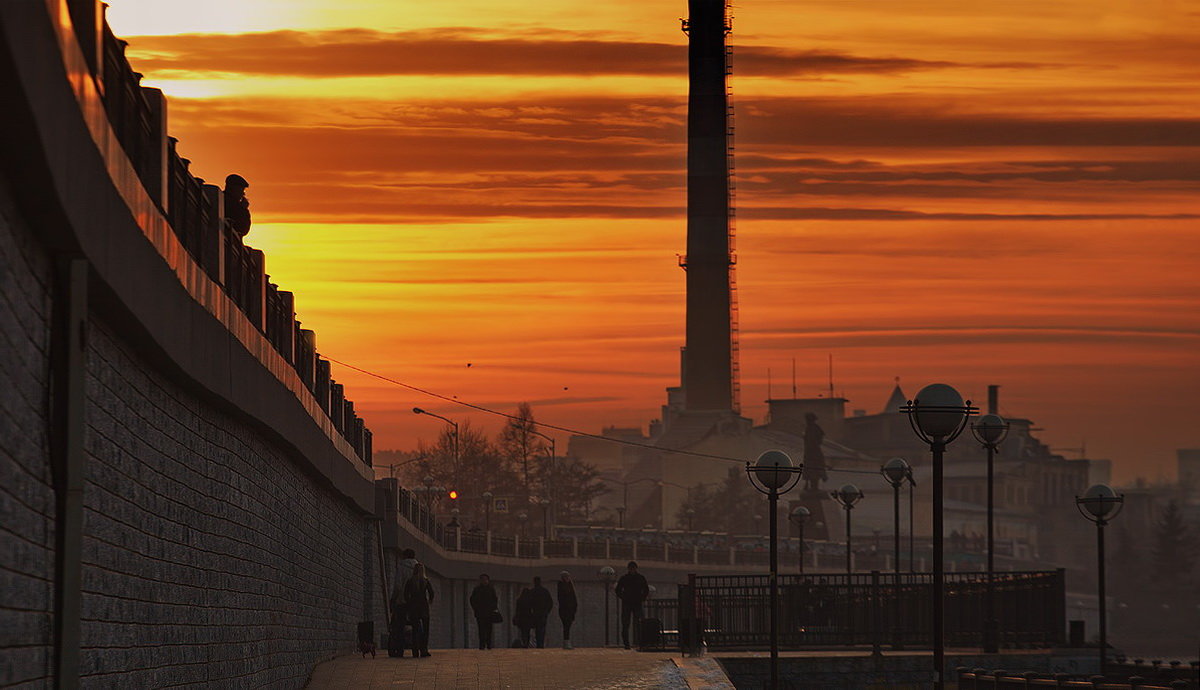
895,471
799,516
607,575
912,532
990,430
774,474
545,504
487,507
452,423
848,495
938,415
690,514
1101,504
522,517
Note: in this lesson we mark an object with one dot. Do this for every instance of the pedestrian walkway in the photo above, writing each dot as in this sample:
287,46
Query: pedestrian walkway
533,669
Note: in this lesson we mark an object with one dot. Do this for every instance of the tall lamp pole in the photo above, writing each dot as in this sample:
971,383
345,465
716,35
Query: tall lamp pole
938,415
990,431
799,516
912,551
545,503
1101,504
607,574
452,423
553,460
848,495
895,471
774,474
487,505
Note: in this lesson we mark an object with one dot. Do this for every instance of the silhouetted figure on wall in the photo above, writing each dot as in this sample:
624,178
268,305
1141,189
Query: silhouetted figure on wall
814,457
237,206
568,606
632,590
486,607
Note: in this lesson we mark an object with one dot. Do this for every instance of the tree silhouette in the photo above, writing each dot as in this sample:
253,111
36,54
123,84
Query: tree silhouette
1174,546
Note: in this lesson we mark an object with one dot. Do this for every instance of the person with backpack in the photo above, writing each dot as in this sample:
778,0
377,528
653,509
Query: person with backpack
568,606
418,595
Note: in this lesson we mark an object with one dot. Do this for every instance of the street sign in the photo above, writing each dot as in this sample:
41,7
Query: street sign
500,505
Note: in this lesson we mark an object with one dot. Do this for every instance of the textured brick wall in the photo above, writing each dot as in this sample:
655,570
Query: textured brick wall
26,496
209,557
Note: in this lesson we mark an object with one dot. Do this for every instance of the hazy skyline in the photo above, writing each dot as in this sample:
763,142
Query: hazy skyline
942,191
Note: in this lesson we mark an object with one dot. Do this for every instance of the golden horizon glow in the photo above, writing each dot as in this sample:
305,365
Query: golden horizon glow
931,189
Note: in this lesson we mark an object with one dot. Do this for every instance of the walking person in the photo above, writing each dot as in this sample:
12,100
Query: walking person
418,595
541,604
523,615
398,604
568,605
486,607
632,590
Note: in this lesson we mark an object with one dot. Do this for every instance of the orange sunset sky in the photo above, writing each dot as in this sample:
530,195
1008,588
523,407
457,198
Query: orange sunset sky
941,190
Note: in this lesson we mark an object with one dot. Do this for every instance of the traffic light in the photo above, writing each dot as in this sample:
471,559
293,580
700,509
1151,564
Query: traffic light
453,495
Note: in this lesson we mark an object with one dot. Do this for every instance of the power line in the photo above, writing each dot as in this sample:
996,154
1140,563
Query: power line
556,427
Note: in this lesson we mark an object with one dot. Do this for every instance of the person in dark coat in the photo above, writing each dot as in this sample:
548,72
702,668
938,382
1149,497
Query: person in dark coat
523,614
568,605
237,206
541,605
418,594
485,606
632,591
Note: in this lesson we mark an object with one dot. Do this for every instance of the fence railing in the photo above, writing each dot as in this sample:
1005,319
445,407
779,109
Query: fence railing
877,609
194,212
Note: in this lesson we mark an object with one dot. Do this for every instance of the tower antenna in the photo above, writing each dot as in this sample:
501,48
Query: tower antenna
793,378
830,374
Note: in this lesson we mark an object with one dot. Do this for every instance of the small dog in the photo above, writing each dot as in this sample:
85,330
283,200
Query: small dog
367,647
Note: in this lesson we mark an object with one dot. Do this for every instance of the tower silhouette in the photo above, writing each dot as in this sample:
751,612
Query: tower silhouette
710,376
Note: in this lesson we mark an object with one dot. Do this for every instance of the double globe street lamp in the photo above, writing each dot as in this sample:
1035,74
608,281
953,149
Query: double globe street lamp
938,415
1101,504
847,496
774,474
990,430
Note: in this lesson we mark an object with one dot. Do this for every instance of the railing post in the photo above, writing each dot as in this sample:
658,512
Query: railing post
876,649
634,549
574,547
695,554
607,549
516,547
487,543
541,547
732,558
666,553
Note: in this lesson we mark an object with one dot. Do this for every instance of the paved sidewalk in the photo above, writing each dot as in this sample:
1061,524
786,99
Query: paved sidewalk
600,669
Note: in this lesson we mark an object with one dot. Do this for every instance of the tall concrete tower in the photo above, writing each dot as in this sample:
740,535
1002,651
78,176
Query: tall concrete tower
710,358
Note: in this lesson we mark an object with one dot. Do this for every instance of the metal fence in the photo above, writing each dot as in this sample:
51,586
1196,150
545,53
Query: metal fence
879,609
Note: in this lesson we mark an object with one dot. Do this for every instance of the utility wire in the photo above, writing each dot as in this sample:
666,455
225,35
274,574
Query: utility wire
555,427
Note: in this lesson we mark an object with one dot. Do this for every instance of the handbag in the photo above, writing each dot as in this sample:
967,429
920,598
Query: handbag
496,617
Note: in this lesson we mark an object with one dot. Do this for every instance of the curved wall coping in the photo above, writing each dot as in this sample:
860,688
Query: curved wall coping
187,317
